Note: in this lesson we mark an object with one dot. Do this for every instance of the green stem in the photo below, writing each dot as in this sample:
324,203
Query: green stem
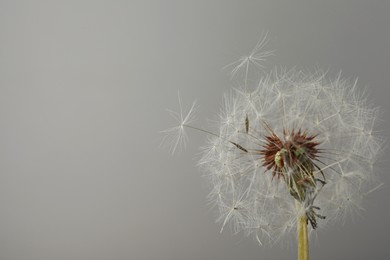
303,241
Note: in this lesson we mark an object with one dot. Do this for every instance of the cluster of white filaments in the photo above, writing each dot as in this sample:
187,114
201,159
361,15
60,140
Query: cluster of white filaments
247,194
296,143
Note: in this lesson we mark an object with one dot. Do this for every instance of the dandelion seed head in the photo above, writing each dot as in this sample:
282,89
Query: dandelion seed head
296,143
316,137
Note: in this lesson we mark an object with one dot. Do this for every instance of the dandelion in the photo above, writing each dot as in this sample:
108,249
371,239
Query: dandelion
295,151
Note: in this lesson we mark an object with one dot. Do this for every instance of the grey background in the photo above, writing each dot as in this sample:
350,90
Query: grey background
83,90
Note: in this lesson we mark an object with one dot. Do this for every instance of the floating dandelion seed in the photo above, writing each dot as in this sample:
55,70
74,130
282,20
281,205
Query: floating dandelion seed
255,59
176,137
299,149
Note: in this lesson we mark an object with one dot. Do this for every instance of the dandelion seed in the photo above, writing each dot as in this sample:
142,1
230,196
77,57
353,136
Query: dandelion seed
246,124
255,58
176,137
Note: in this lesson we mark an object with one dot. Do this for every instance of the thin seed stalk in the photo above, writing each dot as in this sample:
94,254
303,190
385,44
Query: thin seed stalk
303,241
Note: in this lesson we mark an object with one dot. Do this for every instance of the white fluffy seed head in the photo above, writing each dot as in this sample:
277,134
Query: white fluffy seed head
243,190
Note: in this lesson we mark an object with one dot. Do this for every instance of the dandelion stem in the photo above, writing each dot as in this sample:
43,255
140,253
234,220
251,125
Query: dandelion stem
303,241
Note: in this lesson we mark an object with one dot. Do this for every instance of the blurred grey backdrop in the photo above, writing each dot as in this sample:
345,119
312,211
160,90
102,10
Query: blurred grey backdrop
83,90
